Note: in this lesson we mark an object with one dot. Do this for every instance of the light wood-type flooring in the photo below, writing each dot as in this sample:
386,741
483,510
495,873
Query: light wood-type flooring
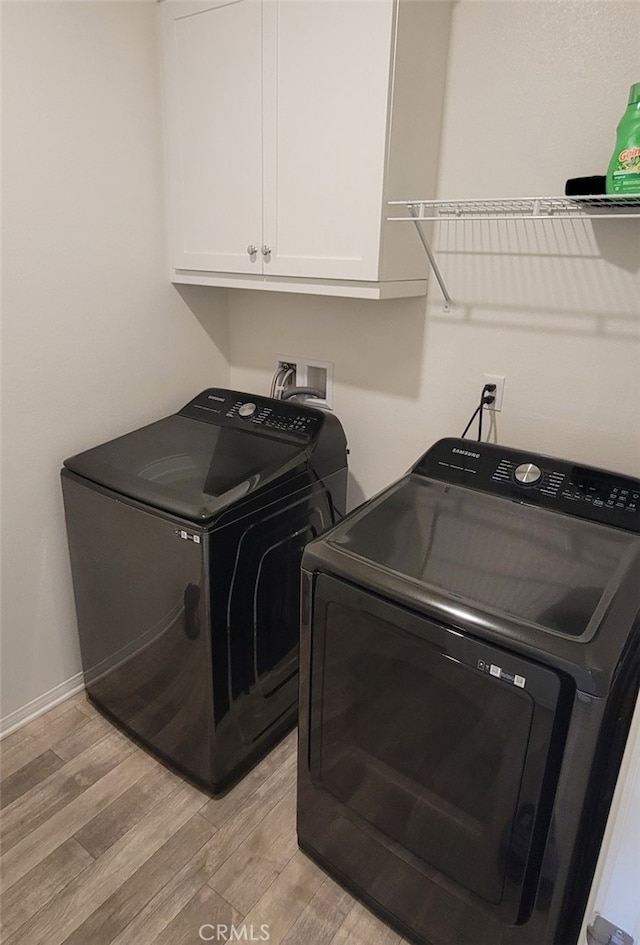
103,845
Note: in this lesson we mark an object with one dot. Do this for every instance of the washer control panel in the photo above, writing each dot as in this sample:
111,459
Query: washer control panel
289,421
597,494
528,474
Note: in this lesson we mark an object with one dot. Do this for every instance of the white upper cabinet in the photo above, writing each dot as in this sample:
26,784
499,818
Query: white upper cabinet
214,133
289,124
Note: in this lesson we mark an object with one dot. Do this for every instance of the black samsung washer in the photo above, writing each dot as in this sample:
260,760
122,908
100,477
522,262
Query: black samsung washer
469,668
185,539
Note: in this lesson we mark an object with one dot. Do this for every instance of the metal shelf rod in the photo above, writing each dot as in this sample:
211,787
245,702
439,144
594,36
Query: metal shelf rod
454,217
448,301
525,208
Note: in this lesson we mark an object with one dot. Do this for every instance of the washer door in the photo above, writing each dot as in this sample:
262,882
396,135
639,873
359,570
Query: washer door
436,740
263,606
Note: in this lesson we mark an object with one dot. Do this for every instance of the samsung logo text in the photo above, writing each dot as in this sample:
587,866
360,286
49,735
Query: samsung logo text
466,453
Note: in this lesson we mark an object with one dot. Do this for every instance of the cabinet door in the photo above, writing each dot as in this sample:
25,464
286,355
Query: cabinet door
327,74
213,105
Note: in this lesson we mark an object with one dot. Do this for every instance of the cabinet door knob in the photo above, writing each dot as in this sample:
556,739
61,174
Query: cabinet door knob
266,250
251,249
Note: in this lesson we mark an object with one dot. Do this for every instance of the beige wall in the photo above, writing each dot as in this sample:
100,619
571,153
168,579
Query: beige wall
534,92
95,339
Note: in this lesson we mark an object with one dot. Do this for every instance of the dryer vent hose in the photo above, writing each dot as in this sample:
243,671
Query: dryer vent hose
290,392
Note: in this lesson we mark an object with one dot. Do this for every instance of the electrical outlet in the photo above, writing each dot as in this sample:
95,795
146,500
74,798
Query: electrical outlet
499,380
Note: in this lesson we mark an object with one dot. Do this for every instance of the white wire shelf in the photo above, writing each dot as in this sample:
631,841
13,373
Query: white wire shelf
520,208
510,208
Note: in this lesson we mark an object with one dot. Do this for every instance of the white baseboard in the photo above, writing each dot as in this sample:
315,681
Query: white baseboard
40,705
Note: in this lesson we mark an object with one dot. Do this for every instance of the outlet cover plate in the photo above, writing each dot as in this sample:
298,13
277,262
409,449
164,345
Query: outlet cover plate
499,380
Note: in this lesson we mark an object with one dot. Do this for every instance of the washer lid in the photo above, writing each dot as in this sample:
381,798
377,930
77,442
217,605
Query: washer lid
189,468
546,581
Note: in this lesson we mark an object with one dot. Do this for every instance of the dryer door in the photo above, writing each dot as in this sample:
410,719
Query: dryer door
433,741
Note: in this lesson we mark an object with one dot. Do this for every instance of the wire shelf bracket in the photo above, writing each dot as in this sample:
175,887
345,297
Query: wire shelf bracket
448,301
552,209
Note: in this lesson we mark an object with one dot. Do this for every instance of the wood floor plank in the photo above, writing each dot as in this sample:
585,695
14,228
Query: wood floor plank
125,811
221,809
26,744
165,904
62,916
76,742
206,907
361,927
287,897
29,776
325,913
161,911
246,875
40,803
127,915
229,837
18,754
44,839
41,884
168,858
40,725
81,701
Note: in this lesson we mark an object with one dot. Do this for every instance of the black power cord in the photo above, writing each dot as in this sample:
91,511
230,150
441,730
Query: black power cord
487,397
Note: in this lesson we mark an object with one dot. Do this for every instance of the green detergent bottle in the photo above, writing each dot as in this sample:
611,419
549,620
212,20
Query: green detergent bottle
623,176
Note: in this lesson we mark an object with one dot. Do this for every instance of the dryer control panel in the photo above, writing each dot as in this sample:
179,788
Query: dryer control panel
227,408
595,494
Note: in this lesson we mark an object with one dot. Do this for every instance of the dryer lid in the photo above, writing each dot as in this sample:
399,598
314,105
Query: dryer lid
519,574
188,468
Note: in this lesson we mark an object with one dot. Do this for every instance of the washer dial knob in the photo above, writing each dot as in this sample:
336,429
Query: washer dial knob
528,474
247,410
